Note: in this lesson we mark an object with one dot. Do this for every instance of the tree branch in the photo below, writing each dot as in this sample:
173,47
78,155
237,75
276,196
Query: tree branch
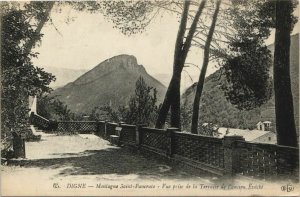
30,44
192,30
181,31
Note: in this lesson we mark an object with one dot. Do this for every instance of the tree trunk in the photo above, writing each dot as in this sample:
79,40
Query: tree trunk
285,123
200,84
162,116
175,102
169,98
172,98
18,146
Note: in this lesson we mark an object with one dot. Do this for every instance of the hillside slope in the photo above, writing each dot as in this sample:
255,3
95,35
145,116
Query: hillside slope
216,109
64,75
111,82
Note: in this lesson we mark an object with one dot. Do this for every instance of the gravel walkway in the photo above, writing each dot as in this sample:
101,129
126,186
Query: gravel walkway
83,158
88,165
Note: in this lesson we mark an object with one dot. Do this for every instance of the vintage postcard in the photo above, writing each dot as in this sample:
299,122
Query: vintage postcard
150,98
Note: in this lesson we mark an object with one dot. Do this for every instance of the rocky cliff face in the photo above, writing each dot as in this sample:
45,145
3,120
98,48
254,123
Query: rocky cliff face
121,62
110,82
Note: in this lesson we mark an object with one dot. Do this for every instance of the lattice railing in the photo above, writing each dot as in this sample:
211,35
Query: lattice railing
79,126
128,134
39,121
221,156
267,160
207,150
155,139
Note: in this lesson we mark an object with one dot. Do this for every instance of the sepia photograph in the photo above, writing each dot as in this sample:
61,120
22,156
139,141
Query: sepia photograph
149,98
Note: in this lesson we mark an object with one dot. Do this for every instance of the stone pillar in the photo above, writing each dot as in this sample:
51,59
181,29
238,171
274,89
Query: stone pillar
105,129
119,131
138,134
231,155
18,146
53,125
97,132
170,133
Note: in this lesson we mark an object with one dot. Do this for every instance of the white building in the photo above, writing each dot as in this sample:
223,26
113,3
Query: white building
258,136
264,126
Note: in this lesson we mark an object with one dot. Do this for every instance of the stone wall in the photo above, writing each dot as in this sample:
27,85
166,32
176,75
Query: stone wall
228,156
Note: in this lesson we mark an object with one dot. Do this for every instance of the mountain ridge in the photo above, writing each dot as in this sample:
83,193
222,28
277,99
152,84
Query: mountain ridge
110,82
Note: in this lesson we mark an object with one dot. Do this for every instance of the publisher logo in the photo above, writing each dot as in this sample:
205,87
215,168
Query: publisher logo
287,188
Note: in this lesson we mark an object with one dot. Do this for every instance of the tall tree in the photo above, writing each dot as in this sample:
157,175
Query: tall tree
19,77
142,105
172,98
200,84
246,67
285,125
247,70
174,85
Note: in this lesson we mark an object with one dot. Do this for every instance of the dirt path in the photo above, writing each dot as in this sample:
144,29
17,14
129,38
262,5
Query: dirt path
83,159
89,165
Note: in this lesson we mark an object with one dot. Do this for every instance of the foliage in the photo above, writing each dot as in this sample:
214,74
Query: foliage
106,112
247,65
248,79
130,17
208,129
19,77
142,106
215,108
53,109
252,18
186,116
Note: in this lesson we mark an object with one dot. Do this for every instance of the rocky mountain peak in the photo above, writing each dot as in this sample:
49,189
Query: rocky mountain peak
123,61
110,82
116,63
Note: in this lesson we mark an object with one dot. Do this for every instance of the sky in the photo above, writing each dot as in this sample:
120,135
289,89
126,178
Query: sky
90,39
80,40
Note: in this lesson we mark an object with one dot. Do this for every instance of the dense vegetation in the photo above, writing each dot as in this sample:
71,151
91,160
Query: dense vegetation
53,109
215,108
19,77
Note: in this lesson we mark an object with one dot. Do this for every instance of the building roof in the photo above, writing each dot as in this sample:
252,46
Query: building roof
267,122
272,138
260,122
249,135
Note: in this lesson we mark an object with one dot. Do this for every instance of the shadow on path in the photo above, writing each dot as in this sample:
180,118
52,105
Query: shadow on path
113,160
